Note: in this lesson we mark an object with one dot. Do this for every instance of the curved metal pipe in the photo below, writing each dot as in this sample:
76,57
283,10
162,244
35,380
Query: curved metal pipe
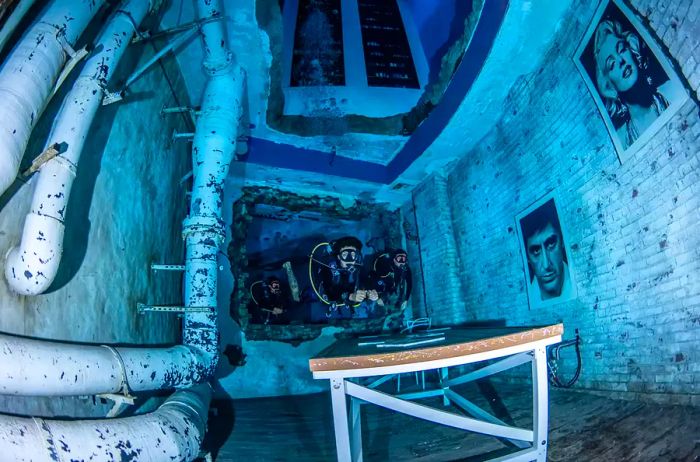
173,432
34,367
28,76
31,267
30,367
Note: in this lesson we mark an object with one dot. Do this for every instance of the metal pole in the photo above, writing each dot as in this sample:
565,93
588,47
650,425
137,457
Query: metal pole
174,44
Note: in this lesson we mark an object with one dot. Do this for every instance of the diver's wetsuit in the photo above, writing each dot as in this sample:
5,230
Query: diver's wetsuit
388,279
337,284
264,299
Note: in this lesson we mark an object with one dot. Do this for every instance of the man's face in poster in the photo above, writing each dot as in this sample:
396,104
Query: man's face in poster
546,258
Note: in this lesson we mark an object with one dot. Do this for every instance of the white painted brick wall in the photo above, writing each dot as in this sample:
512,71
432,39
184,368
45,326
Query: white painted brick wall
634,228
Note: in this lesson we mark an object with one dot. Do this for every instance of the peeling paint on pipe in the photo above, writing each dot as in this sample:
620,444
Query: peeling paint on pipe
173,432
28,75
31,267
213,148
30,367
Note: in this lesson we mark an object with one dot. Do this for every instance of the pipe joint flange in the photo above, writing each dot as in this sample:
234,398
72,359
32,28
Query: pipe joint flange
65,164
210,226
124,383
219,67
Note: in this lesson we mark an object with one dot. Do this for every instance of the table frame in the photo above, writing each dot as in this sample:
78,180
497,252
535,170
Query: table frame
532,442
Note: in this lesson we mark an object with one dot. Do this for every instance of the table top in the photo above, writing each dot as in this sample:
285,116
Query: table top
433,345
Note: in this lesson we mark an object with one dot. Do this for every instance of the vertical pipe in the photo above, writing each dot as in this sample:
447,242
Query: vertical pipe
213,148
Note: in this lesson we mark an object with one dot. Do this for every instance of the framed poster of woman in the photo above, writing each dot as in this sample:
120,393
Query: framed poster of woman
632,82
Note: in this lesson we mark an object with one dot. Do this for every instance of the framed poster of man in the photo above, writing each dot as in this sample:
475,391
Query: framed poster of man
548,272
631,80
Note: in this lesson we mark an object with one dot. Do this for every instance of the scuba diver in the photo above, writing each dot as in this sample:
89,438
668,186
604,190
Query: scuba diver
391,278
338,278
270,302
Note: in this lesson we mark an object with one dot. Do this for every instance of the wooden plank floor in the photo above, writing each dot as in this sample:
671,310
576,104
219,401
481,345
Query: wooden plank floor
583,428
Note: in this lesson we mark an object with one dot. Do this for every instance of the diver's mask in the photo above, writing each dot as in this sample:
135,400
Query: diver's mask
275,287
349,258
400,260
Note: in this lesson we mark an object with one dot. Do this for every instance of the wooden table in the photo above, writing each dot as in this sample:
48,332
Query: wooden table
439,349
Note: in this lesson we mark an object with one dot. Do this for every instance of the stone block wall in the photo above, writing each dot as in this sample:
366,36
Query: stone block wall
633,227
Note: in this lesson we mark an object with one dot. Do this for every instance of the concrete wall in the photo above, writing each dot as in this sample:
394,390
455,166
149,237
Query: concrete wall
634,228
275,368
125,212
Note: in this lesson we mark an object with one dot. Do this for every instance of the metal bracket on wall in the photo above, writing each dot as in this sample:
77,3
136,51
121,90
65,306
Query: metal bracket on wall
75,57
161,267
147,35
188,136
191,111
113,97
48,154
179,310
121,402
186,177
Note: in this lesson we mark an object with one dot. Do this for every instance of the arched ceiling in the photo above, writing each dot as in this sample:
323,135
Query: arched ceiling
506,40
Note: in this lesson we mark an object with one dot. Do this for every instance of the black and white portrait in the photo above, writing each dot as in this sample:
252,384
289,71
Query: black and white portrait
549,278
629,77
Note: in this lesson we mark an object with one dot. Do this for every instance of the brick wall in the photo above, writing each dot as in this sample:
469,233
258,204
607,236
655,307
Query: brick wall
444,294
634,228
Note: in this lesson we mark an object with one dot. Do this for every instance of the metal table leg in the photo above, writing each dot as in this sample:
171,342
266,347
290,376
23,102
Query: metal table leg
540,397
444,377
340,420
356,428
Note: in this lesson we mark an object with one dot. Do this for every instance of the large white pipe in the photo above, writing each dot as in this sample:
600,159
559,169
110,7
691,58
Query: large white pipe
174,432
213,148
29,74
8,27
31,267
30,367
40,368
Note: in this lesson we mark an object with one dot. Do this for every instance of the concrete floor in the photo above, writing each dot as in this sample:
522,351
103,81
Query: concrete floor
583,427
